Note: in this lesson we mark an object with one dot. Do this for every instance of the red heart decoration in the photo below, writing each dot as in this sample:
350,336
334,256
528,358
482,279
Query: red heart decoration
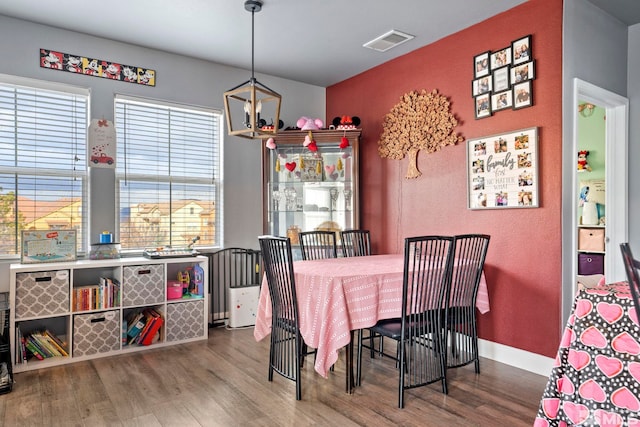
578,359
583,307
610,312
625,343
565,386
290,166
593,337
624,398
634,370
550,407
577,413
591,390
330,169
609,419
344,142
567,338
312,146
633,315
610,366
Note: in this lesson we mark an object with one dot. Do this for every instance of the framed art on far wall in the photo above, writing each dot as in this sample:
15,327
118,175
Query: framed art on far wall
502,170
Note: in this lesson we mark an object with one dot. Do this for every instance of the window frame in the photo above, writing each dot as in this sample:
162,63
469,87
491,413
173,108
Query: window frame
79,170
124,175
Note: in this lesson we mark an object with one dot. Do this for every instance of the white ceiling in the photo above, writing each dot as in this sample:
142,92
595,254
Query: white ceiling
312,41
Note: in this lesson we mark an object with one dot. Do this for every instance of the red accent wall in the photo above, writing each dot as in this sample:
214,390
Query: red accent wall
523,267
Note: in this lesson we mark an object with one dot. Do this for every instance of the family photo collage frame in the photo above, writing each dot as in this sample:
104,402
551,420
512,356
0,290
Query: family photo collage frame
503,79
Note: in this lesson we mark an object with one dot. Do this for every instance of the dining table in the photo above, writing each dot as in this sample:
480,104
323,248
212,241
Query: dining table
337,296
595,378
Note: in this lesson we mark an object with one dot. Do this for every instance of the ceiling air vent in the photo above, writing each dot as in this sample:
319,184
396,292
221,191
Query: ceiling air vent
388,40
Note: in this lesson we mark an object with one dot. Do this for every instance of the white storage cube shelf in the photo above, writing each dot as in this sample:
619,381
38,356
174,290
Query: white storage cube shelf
65,300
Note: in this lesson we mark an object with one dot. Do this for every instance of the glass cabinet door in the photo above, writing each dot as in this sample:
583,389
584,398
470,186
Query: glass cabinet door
306,190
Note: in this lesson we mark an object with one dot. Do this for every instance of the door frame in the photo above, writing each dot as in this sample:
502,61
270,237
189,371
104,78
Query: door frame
616,179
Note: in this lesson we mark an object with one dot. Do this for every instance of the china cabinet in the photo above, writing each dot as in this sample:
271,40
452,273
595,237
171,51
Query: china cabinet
305,190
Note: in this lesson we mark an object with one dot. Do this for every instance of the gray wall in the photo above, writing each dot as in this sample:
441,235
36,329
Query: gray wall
179,79
633,93
594,50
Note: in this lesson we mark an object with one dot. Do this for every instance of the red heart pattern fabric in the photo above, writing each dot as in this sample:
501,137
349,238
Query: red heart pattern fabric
290,166
595,377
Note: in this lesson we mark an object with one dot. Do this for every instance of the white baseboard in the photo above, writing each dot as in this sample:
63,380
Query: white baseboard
512,356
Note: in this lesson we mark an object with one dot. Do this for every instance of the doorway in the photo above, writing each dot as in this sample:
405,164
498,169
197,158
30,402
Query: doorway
616,118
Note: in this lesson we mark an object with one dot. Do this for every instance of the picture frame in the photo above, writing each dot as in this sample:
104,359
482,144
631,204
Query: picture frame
522,95
310,170
502,170
501,79
481,65
522,72
483,106
40,246
482,85
501,58
501,100
521,50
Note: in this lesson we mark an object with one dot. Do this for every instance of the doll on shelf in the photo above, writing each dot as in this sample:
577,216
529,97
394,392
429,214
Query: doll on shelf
583,164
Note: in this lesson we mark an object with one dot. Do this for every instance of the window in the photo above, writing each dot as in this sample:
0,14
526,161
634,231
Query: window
43,167
168,174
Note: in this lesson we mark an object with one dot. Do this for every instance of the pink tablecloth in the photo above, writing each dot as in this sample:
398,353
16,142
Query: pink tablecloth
338,295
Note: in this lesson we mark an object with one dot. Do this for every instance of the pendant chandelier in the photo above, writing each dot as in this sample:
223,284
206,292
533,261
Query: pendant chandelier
252,109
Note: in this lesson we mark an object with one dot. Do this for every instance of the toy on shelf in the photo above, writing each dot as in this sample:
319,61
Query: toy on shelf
583,164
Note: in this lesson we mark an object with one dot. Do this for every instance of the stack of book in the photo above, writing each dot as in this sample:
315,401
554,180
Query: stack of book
42,345
106,294
143,327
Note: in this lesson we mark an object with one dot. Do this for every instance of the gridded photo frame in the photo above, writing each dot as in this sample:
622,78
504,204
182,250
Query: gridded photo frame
481,65
502,170
505,76
522,95
521,50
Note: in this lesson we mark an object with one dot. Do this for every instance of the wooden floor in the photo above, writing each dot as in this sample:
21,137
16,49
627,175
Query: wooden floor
223,382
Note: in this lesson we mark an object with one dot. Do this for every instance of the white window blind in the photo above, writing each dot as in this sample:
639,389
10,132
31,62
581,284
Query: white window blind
168,174
43,169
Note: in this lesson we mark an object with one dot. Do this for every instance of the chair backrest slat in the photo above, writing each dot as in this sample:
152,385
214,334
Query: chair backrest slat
278,268
468,263
355,243
318,244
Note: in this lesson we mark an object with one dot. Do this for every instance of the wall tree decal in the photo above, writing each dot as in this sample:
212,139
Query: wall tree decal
420,121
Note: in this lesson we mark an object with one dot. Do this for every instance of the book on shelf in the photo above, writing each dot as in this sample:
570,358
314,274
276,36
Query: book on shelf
154,322
106,294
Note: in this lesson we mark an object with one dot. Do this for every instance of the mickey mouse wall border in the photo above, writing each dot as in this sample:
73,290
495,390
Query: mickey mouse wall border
503,79
94,67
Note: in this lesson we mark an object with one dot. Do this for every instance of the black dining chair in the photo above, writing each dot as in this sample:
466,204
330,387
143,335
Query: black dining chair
287,349
355,243
631,266
428,262
318,244
462,334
